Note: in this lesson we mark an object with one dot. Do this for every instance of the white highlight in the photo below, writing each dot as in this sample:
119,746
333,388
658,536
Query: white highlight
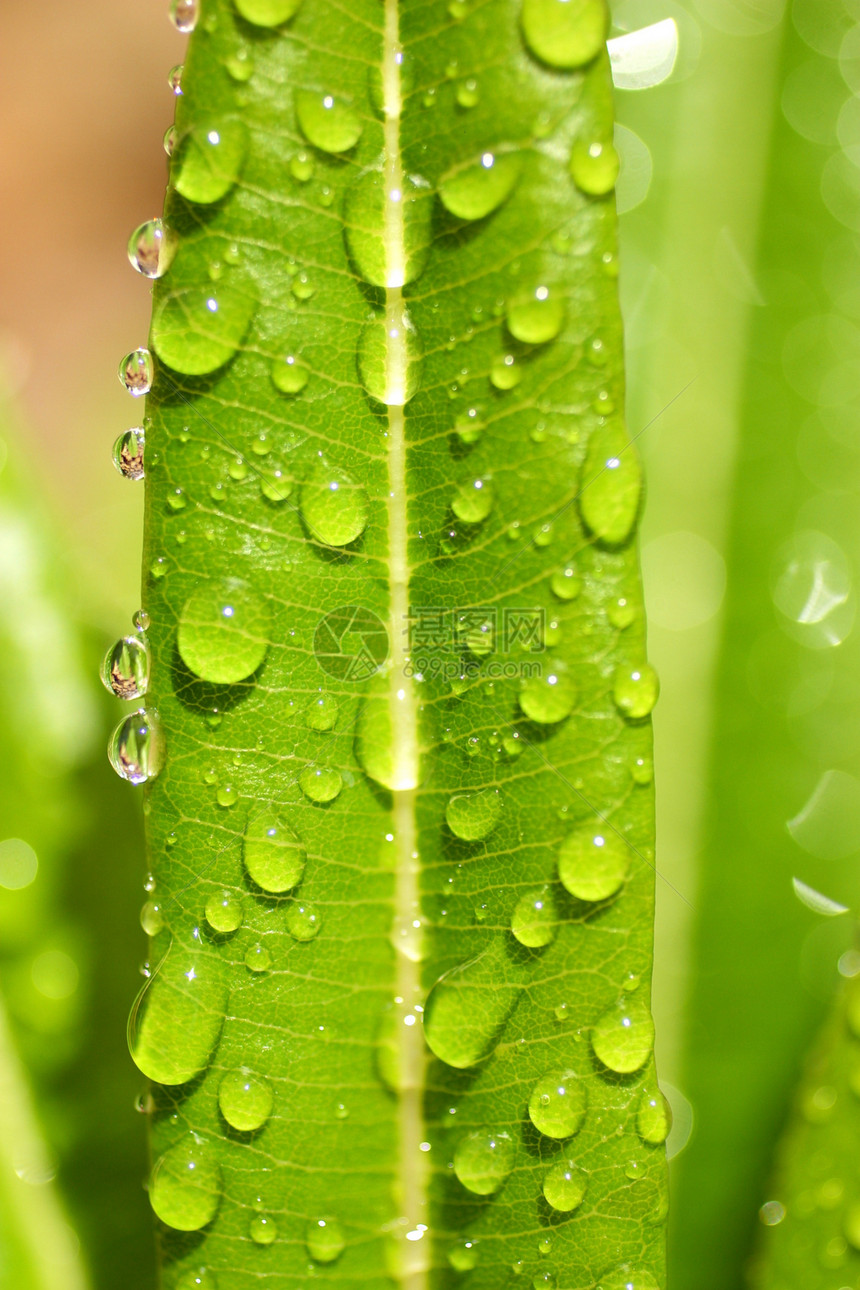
644,58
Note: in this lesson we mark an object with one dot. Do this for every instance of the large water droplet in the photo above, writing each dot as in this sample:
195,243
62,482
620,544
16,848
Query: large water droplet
594,166
372,211
548,698
333,506
136,372
474,190
274,856
198,330
325,1240
624,1037
328,122
558,1104
536,317
628,1278
177,1017
473,816
636,690
535,919
374,739
564,1186
209,161
245,1100
267,13
224,912
224,631
320,783
183,15
390,357
125,670
653,1116
565,33
468,1007
483,1161
593,863
185,1188
136,748
303,920
611,485
473,500
151,248
128,453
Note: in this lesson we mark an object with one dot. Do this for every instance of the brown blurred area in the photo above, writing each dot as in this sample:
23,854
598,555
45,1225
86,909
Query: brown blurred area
84,104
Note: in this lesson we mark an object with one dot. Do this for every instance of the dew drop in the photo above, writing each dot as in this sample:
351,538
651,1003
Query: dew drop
197,330
653,1116
274,856
621,613
468,92
594,166
141,620
505,372
628,1278
611,485
483,1161
468,1007
197,1279
564,33
564,1186
302,287
303,920
558,1104
473,500
623,1038
136,748
549,698
209,160
333,506
226,795
320,783
565,584
635,691
322,713
302,166
276,486
224,631
593,863
390,357
169,140
370,214
535,919
224,912
185,1188
174,78
258,959
125,669
642,770
263,1230
136,372
469,426
474,816
176,1019
289,375
325,1240
183,15
245,1100
374,740
475,189
536,317
328,122
151,248
267,13
151,918
463,1256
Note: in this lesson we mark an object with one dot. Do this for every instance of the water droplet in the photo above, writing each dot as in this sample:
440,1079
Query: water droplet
136,747
558,1104
274,856
536,317
267,13
258,959
224,912
475,189
371,214
564,1186
468,92
374,739
140,620
176,1019
653,1116
463,1256
624,1037
474,816
464,1017
594,166
390,357
505,372
209,160
183,15
535,919
245,1100
320,783
565,583
469,426
562,1012
128,453
224,631
174,78
473,500
333,506
302,166
136,372
185,1188
328,122
303,920
325,1240
593,863
151,918
518,1268
628,1278
322,713
197,1279
611,485
635,691
642,770
226,795
125,669
549,698
151,248
621,613
302,287
276,487
289,375
544,1245
263,1230
199,329
565,34
483,1161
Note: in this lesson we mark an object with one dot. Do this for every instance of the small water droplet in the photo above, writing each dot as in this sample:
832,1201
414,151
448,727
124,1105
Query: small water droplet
246,1100
623,1038
464,1017
564,1186
469,426
594,166
151,918
563,34
610,485
174,78
302,287
185,1188
322,713
333,506
140,620
390,357
463,1256
267,13
558,1104
325,1240
136,747
374,739
483,1161
209,160
477,188
636,690
224,912
537,316
328,122
474,816
151,248
197,330
263,1230
303,920
468,92
565,583
302,166
593,863
534,921
224,631
197,1279
240,64
320,783
642,770
136,372
621,613
473,500
371,210
258,959
226,795
125,669
628,1278
183,15
653,1116
505,372
128,453
289,375
549,698
274,856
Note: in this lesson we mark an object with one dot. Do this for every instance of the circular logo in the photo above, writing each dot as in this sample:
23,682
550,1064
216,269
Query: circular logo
351,643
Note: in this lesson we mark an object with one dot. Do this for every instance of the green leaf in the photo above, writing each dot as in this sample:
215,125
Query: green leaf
390,516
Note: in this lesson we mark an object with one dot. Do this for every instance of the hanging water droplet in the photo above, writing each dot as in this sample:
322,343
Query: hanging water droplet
473,500
136,748
333,506
463,1256
185,1188
565,34
140,620
653,1116
623,1038
535,920
183,15
472,191
289,375
390,357
468,1007
558,1105
594,166
136,372
564,1186
483,1162
199,329
267,13
245,1100
240,64
593,863
374,739
325,1240
537,316
125,669
224,631
303,920
548,698
474,816
209,160
505,372
322,713
320,783
176,1019
372,211
328,122
635,691
274,856
174,78
628,1278
610,485
151,918
224,912
151,248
